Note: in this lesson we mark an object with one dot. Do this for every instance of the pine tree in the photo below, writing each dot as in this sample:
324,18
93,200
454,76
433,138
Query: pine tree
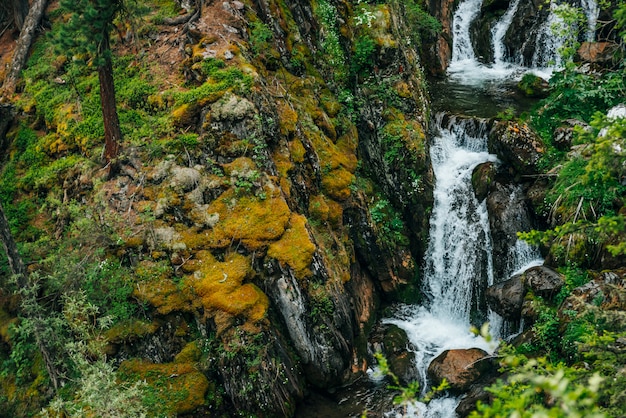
87,33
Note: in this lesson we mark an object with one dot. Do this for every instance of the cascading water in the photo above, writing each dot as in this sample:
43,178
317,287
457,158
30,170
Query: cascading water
547,43
498,32
591,10
462,49
458,264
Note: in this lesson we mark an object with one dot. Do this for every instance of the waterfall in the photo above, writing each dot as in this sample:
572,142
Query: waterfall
591,10
547,43
499,30
458,259
458,265
466,12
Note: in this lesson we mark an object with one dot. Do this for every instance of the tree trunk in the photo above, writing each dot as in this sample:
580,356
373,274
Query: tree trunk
15,261
23,45
112,131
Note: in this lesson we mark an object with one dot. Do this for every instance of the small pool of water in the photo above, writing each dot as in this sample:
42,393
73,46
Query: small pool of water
484,100
474,89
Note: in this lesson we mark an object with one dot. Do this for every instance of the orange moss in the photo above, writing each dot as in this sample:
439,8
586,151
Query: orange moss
165,296
190,353
285,186
295,247
322,120
331,156
347,145
219,285
331,106
336,183
403,89
410,132
335,213
318,208
297,151
283,164
130,330
288,119
185,115
239,166
250,219
193,238
180,386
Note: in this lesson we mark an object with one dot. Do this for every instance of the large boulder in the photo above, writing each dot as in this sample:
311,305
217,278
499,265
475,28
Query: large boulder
460,367
543,281
401,361
516,145
483,178
508,214
506,298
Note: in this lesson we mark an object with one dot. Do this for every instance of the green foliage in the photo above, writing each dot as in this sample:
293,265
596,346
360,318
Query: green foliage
572,19
389,222
260,37
588,193
574,277
88,28
220,78
362,60
538,388
423,25
330,39
99,393
107,286
546,330
577,95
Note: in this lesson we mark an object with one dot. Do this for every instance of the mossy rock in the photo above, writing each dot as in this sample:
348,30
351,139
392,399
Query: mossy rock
336,184
297,151
130,330
318,208
294,248
165,296
532,85
219,284
175,388
185,115
252,220
190,353
288,119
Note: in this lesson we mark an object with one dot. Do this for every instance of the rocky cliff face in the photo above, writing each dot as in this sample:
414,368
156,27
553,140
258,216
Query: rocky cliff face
296,202
286,216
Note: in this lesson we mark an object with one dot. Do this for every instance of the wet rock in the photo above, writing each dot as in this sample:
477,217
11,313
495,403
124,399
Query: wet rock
401,360
460,367
597,52
468,402
482,179
543,281
506,298
508,214
521,37
532,85
516,145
